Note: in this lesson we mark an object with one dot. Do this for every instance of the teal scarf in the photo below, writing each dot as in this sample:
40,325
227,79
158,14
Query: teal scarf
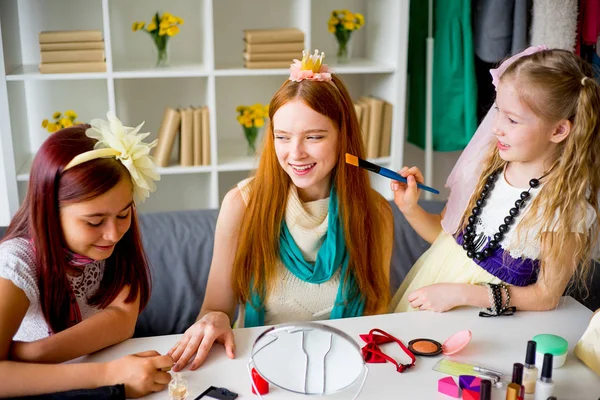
331,255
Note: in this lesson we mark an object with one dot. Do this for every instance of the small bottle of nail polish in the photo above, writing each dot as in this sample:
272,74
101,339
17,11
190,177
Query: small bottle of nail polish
485,390
545,385
530,371
517,379
177,387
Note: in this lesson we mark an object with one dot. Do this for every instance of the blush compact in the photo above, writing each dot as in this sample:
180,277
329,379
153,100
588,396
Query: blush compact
429,347
425,347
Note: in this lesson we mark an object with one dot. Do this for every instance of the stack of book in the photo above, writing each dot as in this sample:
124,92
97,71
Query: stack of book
71,51
272,48
375,119
189,125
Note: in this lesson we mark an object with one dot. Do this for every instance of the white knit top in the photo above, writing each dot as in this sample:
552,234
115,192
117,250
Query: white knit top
17,264
293,299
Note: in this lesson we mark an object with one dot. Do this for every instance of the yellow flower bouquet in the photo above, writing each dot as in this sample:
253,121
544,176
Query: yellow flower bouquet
60,121
251,118
161,28
342,23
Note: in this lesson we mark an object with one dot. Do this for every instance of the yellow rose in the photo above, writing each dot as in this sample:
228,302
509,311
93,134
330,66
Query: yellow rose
248,123
180,21
333,21
258,122
164,24
360,19
162,32
166,15
172,31
349,25
240,108
57,115
71,114
52,127
44,123
151,27
331,28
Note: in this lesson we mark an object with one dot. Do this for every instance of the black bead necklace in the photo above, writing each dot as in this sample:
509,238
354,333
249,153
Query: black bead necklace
472,241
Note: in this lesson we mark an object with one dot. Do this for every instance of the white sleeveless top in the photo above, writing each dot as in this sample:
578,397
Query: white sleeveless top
293,299
17,264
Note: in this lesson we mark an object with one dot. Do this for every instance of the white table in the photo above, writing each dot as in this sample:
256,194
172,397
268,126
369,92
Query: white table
497,343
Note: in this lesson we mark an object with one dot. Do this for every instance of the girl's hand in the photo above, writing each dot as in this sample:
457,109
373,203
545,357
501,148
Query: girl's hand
199,338
406,195
439,297
141,373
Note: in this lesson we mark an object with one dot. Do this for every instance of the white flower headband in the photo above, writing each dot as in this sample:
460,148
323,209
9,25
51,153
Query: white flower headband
125,144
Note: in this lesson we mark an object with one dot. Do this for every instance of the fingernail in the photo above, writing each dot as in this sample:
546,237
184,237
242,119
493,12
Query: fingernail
394,186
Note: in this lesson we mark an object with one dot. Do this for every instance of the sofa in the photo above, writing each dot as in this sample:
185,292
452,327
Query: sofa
179,246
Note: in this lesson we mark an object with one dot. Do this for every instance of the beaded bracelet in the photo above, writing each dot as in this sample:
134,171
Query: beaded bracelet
496,307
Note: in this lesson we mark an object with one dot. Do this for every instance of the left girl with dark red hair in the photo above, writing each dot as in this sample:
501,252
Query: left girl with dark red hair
73,274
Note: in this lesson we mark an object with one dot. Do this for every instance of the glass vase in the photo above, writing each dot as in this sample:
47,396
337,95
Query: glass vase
344,46
162,56
251,136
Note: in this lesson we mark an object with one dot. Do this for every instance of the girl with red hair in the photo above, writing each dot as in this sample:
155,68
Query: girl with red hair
306,238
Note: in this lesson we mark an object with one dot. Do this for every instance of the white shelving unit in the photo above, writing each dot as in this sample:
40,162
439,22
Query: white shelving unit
206,69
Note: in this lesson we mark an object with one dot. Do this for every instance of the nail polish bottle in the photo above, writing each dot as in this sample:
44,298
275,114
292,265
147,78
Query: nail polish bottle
530,371
545,385
512,391
177,387
485,390
517,379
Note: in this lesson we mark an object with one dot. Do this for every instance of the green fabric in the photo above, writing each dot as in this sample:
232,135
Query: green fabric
332,254
454,105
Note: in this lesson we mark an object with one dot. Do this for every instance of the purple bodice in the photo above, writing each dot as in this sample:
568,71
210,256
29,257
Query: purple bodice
514,271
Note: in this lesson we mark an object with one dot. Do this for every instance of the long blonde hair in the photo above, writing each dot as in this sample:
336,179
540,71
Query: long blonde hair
557,85
360,207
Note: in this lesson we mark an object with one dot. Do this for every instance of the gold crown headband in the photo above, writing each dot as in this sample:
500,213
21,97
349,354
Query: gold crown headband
311,67
125,144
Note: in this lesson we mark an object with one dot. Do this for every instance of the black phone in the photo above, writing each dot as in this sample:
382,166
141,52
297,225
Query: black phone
217,393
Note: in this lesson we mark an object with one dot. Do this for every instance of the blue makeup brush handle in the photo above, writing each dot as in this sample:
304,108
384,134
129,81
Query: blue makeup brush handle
388,173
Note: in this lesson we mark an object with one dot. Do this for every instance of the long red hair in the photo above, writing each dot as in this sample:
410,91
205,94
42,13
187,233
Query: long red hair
38,221
361,207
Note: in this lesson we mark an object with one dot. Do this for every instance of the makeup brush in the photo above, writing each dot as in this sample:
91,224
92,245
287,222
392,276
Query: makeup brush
388,173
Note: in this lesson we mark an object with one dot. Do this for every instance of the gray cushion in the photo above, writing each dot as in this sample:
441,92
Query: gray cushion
179,246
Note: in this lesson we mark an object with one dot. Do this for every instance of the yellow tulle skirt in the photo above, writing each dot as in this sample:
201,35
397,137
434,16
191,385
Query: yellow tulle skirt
445,262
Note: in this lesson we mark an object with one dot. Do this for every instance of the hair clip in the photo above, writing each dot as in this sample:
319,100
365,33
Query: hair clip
311,68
